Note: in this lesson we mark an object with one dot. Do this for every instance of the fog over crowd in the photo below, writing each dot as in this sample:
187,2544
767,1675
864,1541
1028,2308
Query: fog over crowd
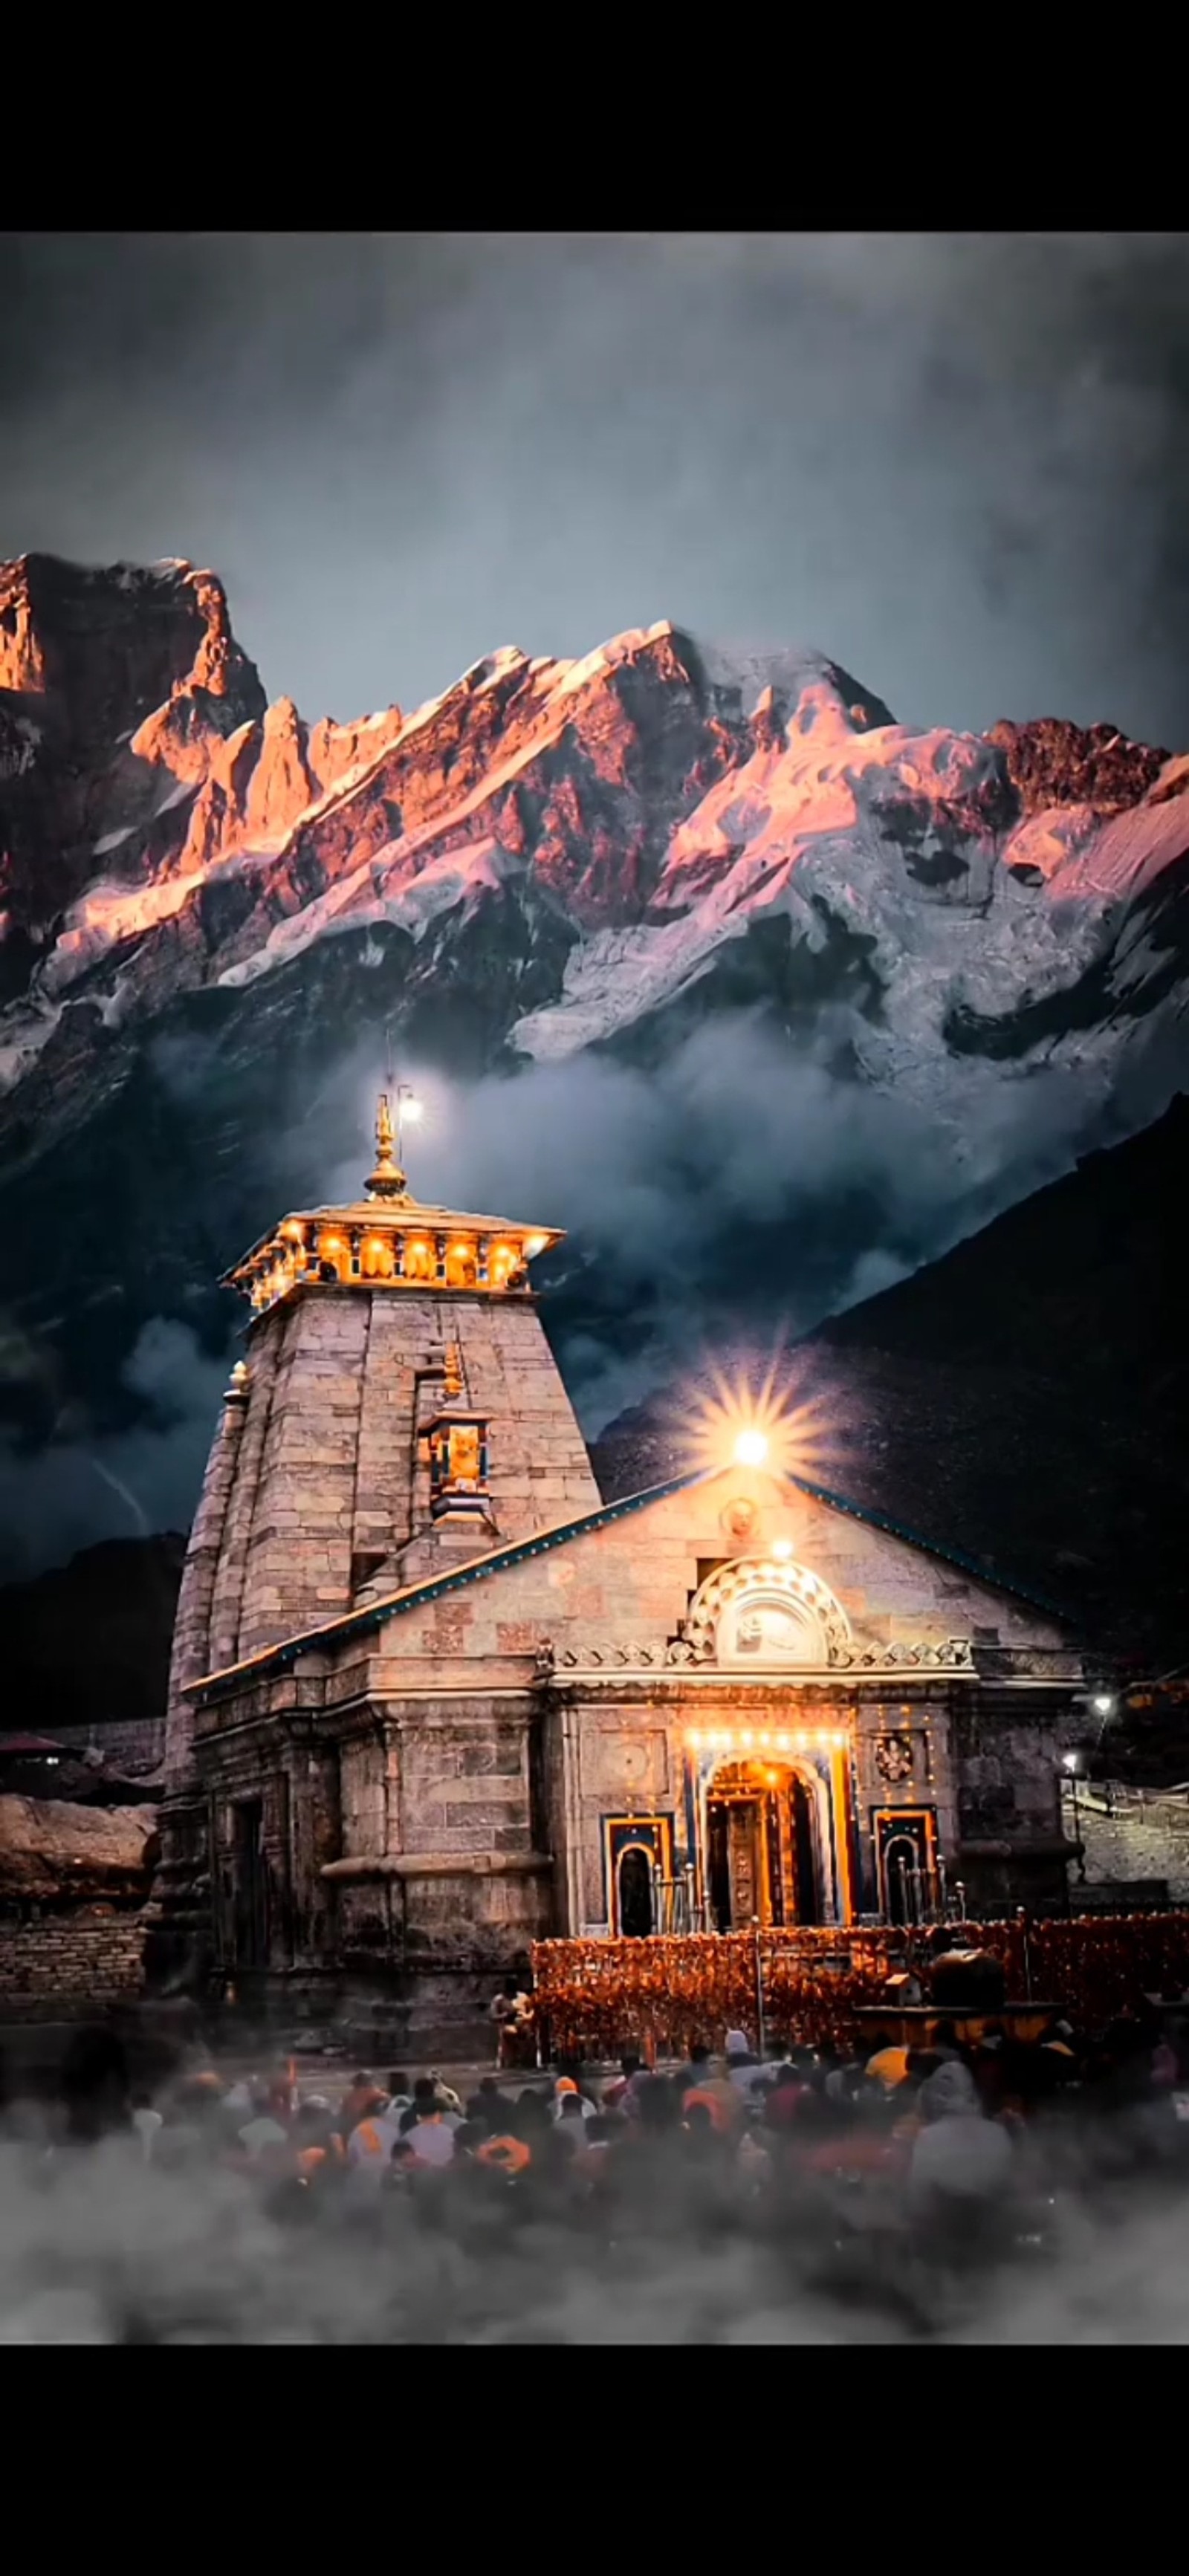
986,2193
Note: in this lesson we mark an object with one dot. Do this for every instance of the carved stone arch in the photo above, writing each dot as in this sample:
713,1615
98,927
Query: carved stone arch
760,1613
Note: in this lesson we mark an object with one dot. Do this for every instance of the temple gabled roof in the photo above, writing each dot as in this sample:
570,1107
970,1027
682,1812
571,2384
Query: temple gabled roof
480,1569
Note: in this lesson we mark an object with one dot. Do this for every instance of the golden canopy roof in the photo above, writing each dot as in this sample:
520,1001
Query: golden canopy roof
389,1239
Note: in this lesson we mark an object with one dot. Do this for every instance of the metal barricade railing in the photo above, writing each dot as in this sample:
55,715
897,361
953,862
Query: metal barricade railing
675,1906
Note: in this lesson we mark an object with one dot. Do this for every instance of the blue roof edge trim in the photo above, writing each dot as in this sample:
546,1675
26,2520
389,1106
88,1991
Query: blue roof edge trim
931,1547
356,1623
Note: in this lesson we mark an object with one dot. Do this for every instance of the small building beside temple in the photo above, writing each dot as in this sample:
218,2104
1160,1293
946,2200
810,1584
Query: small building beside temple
433,1698
74,1883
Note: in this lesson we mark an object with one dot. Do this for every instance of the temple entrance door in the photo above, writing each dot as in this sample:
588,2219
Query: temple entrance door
635,1893
905,1845
718,1864
736,1861
761,1862
249,1885
807,1895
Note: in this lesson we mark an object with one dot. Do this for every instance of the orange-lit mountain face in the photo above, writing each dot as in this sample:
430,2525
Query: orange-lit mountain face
208,902
163,830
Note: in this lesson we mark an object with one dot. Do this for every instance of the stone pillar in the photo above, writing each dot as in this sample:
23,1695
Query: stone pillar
191,1656
227,1597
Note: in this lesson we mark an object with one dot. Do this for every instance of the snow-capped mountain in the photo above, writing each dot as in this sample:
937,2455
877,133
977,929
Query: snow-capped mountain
208,902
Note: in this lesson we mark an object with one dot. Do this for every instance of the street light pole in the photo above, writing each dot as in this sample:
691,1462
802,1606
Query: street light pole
404,1092
1071,1764
759,1973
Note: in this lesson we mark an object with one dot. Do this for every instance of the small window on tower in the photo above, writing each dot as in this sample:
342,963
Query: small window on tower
377,1260
334,1256
462,1269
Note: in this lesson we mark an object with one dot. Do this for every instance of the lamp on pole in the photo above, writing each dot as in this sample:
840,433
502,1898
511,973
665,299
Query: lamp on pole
759,1975
1071,1764
409,1107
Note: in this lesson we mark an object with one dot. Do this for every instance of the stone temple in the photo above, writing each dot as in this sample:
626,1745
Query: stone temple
433,1698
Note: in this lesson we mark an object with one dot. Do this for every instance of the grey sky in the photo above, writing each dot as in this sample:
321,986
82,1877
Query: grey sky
956,463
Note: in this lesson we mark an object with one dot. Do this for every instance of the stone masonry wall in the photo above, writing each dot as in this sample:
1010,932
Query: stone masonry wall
231,1574
85,1956
402,1344
298,1548
540,1471
464,1781
1010,1830
443,1792
192,1628
1145,1837
1009,1767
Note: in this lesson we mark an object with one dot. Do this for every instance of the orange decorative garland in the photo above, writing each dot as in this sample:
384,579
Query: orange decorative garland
595,1998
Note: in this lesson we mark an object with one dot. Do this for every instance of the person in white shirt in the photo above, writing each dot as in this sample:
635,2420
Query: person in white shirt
565,2091
431,2138
959,2157
261,2134
743,2069
370,2145
431,2096
147,2123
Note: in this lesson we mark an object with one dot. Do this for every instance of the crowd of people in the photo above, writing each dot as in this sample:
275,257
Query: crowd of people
862,2158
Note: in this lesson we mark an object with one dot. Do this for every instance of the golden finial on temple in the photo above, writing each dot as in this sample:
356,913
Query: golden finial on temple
387,1181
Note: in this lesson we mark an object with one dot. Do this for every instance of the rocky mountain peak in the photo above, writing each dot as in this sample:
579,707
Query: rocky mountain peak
940,946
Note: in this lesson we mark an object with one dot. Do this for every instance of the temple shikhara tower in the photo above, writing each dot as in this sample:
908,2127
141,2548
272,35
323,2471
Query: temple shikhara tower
433,1697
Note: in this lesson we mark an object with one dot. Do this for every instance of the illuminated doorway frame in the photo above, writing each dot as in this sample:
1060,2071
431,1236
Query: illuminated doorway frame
823,1757
652,1835
888,1825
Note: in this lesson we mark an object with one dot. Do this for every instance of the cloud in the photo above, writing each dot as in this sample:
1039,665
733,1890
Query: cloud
956,462
717,1205
79,1490
97,2249
740,1187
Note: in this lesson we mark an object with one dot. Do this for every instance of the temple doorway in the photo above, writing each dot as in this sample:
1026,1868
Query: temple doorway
249,1885
761,1857
635,1892
638,1865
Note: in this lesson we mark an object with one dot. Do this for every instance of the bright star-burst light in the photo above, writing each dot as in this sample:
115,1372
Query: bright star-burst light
772,1423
